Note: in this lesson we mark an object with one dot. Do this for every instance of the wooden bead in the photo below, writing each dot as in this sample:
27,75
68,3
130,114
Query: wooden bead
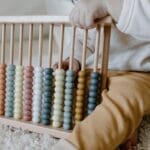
79,98
81,86
79,104
78,110
81,80
78,117
80,92
81,73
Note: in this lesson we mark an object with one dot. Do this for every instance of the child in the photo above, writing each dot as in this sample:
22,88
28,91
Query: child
127,99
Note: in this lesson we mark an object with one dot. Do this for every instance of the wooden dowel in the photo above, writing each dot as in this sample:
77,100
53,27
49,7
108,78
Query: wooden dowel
3,43
84,49
51,28
105,56
30,44
61,46
40,43
72,48
96,55
20,43
11,43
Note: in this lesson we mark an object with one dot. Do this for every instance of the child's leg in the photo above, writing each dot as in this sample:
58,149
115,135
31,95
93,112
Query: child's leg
120,113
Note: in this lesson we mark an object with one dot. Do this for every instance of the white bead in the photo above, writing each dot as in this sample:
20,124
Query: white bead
59,71
58,107
56,124
59,95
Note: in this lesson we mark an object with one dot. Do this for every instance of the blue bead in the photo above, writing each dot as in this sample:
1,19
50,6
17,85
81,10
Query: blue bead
91,106
94,81
68,97
45,116
11,67
69,85
68,91
47,93
48,77
67,120
93,87
93,94
67,109
90,111
48,70
46,106
92,100
68,102
70,73
66,126
69,79
45,122
95,75
67,115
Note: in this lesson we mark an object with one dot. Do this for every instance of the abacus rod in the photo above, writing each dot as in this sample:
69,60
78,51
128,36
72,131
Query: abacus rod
3,43
84,49
20,43
96,55
105,57
51,28
11,43
40,44
72,49
30,44
61,46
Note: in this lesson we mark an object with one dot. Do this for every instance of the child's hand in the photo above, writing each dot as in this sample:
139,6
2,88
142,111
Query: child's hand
86,12
65,65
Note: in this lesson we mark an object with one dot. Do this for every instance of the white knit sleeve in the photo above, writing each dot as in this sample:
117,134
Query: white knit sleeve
135,19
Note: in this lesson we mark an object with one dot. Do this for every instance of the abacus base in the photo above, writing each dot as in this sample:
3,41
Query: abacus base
37,128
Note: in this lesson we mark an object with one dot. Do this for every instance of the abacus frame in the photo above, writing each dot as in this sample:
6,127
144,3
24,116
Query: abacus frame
56,20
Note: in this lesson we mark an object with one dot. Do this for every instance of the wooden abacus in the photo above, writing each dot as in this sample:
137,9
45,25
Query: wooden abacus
30,100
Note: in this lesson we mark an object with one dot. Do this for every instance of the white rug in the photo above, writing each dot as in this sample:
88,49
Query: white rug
16,139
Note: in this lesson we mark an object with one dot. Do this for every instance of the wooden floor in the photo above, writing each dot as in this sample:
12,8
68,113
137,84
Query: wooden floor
38,128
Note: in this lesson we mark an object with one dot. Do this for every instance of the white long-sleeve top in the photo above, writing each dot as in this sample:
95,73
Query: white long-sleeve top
130,41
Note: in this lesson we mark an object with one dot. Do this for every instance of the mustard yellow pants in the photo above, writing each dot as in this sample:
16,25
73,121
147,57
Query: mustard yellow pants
124,104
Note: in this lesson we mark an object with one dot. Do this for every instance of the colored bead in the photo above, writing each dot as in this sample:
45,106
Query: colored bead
70,73
10,78
81,74
27,93
58,97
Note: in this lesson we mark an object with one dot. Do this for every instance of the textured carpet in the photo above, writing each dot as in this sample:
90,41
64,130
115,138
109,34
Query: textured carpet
16,139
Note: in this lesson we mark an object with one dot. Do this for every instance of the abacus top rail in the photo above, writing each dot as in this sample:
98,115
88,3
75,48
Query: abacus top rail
44,19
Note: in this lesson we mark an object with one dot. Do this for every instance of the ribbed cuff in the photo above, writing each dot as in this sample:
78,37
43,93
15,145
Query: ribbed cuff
126,15
63,145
